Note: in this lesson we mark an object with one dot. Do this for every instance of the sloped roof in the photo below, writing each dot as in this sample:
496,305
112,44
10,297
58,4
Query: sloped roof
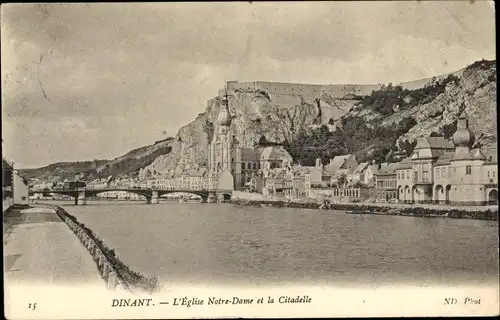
250,154
6,164
373,168
25,181
434,143
361,167
404,164
477,154
390,169
336,163
275,153
444,159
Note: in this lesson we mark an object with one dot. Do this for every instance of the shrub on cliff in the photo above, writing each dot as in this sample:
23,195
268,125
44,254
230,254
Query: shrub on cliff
385,100
355,137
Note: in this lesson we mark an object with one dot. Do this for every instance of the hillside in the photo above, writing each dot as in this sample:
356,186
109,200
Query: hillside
132,161
61,170
374,126
127,164
385,124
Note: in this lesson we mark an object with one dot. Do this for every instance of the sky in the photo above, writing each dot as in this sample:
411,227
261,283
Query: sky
92,81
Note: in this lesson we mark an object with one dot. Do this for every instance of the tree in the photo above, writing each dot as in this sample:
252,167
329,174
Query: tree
380,154
407,147
360,185
449,129
342,180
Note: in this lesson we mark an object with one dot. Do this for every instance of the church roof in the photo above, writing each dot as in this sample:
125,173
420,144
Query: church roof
274,153
250,154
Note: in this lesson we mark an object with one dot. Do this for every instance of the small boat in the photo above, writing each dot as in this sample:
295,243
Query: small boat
360,212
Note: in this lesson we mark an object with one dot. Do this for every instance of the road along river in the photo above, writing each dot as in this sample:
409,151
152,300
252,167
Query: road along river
193,243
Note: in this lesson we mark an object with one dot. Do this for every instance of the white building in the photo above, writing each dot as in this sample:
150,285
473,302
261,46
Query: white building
21,189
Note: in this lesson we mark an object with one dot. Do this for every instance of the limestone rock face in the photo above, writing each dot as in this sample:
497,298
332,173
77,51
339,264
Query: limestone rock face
476,93
254,115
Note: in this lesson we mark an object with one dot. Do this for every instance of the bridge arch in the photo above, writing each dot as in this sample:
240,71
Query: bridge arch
90,192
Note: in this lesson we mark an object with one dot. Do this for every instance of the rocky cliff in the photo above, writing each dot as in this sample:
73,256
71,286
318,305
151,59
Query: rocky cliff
433,104
254,117
474,92
370,126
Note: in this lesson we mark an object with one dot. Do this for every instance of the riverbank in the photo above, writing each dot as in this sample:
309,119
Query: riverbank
414,210
110,267
39,248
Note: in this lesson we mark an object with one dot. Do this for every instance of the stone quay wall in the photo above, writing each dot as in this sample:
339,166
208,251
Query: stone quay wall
115,273
105,266
477,213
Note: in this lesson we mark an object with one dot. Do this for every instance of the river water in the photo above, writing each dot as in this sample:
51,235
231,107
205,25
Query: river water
193,243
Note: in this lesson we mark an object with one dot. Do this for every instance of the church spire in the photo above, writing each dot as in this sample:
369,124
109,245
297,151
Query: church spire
224,117
462,137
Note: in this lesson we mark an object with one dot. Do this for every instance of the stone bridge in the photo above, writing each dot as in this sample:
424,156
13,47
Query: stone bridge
152,195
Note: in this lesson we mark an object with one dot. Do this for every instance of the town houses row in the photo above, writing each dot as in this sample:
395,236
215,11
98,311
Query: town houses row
438,171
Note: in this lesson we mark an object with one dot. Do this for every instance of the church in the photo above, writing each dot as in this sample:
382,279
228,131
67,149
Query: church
232,167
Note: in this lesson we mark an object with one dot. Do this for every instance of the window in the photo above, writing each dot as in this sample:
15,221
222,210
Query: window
426,175
468,170
438,172
243,166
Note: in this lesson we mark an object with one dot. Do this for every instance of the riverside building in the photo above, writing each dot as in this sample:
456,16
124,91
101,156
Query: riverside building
449,172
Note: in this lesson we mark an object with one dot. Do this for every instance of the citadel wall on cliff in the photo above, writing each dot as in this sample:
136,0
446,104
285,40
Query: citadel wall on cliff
291,94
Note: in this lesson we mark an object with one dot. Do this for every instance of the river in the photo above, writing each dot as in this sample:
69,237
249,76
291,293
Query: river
193,243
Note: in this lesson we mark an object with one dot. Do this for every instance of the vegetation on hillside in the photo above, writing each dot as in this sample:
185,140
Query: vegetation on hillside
62,169
391,98
373,142
354,137
134,160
